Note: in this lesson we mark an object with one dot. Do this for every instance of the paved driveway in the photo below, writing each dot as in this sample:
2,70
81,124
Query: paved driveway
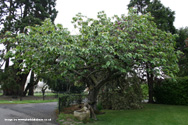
28,114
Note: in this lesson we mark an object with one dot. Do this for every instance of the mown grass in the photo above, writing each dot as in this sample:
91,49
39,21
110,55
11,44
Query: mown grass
151,114
26,101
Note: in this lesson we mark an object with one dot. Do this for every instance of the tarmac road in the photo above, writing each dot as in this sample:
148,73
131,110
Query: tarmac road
28,114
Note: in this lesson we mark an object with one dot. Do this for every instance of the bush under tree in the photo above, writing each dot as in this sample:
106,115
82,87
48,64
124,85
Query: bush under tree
121,93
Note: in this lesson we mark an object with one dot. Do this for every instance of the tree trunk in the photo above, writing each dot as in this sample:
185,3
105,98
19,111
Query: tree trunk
22,81
150,87
30,86
94,88
92,98
92,101
31,91
150,84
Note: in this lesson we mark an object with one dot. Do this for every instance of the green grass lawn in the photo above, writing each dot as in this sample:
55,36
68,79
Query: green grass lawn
151,114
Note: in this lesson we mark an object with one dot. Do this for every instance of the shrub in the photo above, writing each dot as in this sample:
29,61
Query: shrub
99,106
117,101
172,91
126,94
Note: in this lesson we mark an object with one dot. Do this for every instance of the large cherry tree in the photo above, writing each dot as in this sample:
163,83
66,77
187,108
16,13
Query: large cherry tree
105,48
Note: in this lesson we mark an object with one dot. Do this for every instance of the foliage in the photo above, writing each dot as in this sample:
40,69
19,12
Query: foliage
164,16
140,5
42,48
145,44
125,94
183,61
144,88
183,34
183,64
172,92
102,51
8,81
62,84
15,15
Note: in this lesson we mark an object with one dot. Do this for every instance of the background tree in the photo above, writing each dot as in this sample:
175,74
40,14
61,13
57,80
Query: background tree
163,16
180,45
140,5
8,80
15,16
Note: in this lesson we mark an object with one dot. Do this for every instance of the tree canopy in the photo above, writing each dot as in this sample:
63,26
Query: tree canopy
105,48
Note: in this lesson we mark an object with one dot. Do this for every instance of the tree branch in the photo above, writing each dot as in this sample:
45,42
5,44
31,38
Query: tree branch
110,76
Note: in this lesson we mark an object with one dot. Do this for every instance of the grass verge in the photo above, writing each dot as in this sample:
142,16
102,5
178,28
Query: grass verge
46,94
26,101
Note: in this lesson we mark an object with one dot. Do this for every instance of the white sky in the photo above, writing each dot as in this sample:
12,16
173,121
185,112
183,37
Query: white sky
69,8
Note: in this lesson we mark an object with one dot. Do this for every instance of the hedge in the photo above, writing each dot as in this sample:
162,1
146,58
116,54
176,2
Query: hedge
171,91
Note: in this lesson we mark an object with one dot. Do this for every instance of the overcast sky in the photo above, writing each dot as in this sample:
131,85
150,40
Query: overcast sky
69,8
